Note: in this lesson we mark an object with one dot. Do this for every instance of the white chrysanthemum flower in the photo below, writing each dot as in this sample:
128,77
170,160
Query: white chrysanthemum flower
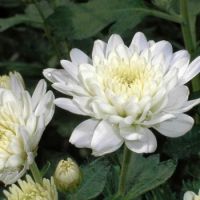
30,190
191,196
67,175
23,119
126,91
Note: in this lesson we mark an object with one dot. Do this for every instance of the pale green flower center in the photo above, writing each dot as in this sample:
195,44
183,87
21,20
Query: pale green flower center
34,194
5,82
136,79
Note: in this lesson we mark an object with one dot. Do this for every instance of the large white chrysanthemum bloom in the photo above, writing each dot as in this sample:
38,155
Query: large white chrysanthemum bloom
23,119
29,190
191,196
126,91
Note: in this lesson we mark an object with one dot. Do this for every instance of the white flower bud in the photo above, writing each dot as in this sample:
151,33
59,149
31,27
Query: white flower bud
67,175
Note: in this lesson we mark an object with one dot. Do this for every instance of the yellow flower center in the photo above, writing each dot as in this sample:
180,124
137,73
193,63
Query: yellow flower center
5,82
135,78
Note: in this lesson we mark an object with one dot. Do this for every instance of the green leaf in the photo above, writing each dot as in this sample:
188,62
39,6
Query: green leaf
30,17
94,180
161,193
184,146
146,174
79,21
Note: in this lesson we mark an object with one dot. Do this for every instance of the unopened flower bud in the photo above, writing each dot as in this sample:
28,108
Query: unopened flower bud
67,175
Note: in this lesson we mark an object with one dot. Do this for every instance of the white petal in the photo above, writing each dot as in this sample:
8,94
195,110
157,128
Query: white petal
98,51
17,83
69,105
158,119
82,135
189,195
187,106
179,55
14,161
46,106
55,75
177,98
192,70
70,68
139,41
106,139
175,127
123,53
180,61
78,57
31,123
10,176
163,47
39,130
113,42
27,104
69,89
26,139
39,92
142,141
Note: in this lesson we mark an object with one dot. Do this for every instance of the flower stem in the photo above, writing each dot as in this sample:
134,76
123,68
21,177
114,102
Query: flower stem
124,170
189,36
36,173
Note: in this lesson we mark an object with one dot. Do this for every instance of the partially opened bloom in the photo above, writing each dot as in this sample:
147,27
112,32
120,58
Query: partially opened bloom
23,119
191,196
126,91
30,190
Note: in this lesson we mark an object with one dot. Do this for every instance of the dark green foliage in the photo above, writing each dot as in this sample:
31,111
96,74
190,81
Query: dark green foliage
146,174
94,180
184,146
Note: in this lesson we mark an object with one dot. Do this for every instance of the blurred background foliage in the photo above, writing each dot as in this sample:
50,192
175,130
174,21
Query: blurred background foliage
36,34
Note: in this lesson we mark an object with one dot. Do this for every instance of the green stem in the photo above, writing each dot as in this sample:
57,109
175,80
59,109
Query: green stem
124,170
47,30
36,173
189,36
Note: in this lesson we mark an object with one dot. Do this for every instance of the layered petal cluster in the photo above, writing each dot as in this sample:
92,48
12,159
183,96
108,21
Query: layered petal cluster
126,90
30,190
23,119
191,196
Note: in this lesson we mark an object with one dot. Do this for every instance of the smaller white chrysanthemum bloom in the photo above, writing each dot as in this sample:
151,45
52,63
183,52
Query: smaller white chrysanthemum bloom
67,175
30,190
8,81
127,91
23,119
191,196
